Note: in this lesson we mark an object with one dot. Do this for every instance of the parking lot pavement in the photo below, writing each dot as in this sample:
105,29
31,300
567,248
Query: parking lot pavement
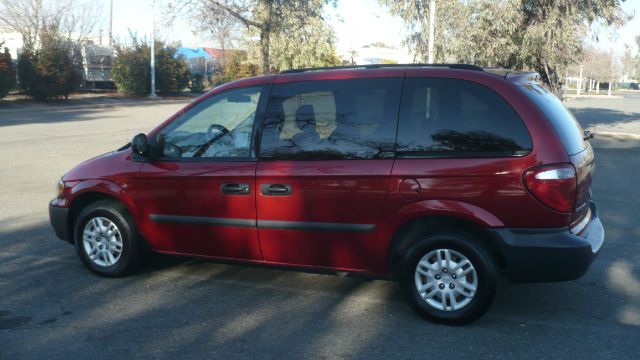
51,307
609,117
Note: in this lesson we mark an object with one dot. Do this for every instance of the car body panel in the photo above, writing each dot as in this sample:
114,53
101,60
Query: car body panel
347,196
184,210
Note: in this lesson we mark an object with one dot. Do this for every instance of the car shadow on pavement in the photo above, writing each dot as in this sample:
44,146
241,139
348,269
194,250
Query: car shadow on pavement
52,116
51,305
588,117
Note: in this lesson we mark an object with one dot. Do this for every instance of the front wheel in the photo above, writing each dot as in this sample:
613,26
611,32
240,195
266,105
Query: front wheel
106,239
449,277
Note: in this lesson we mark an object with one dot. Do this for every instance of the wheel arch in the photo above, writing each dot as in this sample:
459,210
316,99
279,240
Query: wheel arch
88,192
402,240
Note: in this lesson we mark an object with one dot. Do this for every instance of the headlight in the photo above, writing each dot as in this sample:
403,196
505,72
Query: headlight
59,188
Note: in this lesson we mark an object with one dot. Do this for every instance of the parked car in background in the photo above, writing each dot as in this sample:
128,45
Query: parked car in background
438,176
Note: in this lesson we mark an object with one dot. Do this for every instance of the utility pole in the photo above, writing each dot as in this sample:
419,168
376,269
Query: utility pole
110,25
153,94
432,22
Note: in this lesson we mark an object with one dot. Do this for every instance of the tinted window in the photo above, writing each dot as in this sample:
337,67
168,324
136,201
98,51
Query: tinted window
218,127
450,117
568,129
337,119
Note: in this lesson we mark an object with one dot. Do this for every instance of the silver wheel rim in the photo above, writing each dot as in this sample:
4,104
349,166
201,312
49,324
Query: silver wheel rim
446,279
102,241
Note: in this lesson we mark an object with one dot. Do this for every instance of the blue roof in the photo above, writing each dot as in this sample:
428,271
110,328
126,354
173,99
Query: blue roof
189,53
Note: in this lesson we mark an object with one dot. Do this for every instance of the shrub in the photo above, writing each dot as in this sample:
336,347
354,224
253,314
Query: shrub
197,83
48,72
131,70
7,74
172,75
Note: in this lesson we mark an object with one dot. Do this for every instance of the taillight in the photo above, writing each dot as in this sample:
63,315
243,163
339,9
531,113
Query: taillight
554,185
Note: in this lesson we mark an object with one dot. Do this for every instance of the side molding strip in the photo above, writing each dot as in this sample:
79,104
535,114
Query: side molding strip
315,226
201,220
263,224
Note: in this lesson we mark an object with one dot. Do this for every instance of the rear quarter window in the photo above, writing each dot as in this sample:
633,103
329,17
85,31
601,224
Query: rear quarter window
563,121
441,117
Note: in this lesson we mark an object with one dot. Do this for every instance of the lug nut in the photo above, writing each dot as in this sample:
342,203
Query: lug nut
437,276
441,286
454,276
445,270
451,286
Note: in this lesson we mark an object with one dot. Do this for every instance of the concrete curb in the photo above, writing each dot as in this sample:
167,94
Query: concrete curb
574,96
81,106
616,136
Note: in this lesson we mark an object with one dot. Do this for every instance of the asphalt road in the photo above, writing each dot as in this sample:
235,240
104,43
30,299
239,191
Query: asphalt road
51,307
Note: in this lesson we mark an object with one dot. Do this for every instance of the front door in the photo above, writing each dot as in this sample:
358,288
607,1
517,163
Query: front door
325,161
199,197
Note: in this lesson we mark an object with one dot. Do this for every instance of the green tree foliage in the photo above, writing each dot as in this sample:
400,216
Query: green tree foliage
7,73
543,35
172,75
49,71
268,19
235,66
131,70
310,45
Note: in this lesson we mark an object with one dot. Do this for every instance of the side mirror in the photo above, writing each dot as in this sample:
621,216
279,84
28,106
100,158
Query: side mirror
140,145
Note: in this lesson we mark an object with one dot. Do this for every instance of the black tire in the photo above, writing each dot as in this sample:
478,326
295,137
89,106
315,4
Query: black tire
465,244
130,258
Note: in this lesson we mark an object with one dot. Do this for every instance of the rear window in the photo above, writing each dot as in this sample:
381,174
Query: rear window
566,126
442,117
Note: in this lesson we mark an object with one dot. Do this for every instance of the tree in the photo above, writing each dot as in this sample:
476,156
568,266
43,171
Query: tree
631,63
48,72
172,75
7,73
267,18
131,69
311,45
543,35
599,65
67,19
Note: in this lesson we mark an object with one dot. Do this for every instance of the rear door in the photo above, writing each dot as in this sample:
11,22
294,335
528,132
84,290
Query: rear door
325,159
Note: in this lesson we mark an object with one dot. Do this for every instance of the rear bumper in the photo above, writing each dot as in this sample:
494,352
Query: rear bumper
58,217
538,255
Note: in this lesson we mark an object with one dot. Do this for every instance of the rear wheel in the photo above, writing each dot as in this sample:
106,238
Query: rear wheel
449,277
106,239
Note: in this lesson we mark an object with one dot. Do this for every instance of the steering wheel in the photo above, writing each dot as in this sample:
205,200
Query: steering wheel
216,131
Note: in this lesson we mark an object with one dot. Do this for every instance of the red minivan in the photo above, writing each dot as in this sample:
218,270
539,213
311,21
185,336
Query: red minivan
439,176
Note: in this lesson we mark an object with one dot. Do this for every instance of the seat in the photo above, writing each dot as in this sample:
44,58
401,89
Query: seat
306,123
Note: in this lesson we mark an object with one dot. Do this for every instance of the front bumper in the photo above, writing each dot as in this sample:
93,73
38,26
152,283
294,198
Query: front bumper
58,217
538,255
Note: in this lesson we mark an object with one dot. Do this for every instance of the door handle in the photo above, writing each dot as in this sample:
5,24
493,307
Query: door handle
235,189
275,189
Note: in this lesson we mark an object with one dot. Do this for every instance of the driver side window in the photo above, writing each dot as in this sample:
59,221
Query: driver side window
218,127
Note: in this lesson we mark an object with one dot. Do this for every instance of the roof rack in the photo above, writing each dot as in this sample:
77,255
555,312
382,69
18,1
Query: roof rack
379,66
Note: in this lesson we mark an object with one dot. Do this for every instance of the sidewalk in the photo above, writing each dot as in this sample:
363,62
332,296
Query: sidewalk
21,103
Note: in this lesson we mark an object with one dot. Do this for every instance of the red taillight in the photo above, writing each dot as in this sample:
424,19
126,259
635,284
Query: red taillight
554,185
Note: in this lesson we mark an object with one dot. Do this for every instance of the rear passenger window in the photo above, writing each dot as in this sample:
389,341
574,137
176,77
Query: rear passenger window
563,121
334,119
451,117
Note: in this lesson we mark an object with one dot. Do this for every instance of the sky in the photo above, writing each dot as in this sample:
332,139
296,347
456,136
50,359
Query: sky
356,23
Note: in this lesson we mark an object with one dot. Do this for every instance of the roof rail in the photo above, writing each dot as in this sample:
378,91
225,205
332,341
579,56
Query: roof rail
380,66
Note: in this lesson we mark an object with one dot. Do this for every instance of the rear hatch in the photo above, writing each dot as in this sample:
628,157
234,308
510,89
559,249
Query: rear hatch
578,148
